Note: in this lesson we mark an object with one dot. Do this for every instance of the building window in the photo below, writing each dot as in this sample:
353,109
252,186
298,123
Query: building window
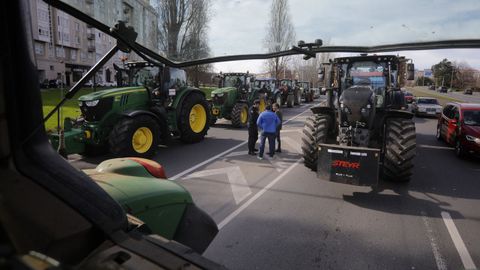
59,51
52,68
39,48
90,55
73,55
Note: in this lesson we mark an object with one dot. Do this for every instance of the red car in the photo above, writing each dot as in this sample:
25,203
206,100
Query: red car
459,125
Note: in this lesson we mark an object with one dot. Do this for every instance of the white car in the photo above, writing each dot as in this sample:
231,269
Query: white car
426,106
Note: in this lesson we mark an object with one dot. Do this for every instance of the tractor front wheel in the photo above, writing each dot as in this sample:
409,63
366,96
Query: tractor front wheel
194,119
135,136
315,131
240,115
399,151
290,101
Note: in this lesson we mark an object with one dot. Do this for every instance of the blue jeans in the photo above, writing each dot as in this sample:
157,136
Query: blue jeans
271,143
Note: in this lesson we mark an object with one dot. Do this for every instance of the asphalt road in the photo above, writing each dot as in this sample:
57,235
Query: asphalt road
276,214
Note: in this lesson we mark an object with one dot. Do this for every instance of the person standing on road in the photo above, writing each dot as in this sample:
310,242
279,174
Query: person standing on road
267,122
252,127
276,109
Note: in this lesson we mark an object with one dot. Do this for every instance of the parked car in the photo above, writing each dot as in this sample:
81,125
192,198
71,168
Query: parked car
53,84
459,126
442,89
426,106
468,91
431,87
409,97
43,84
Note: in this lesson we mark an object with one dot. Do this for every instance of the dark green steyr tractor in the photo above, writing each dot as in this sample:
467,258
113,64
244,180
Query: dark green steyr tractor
362,131
234,96
306,90
154,105
287,93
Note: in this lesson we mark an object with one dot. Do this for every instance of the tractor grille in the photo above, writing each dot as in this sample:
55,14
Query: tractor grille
218,100
96,113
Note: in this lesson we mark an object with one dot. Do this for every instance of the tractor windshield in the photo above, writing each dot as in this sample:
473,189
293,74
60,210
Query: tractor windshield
145,76
233,81
368,73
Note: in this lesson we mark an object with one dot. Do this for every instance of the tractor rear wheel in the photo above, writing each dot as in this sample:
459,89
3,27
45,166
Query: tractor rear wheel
240,115
297,98
290,101
278,99
400,144
315,131
135,136
194,118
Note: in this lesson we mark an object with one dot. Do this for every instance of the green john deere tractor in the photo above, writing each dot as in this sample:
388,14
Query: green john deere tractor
234,96
154,105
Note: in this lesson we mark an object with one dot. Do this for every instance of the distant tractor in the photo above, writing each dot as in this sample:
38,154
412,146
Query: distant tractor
267,85
234,96
288,93
362,130
306,90
155,105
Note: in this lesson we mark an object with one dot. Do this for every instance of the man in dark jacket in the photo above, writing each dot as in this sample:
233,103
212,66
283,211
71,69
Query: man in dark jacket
276,109
267,122
252,127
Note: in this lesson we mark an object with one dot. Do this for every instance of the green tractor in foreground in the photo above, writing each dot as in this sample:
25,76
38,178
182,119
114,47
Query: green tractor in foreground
155,105
234,96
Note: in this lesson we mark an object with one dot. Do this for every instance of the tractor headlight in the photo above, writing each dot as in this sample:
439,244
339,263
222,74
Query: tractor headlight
472,139
92,103
217,94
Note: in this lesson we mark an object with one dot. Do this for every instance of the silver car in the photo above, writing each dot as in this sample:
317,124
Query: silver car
426,106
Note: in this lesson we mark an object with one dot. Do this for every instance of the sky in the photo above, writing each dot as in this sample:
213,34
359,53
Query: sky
239,26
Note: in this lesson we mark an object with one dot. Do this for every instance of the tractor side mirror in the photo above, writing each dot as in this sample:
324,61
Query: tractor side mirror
410,72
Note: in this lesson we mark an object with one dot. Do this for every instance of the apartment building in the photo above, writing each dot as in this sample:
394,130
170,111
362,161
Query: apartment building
66,48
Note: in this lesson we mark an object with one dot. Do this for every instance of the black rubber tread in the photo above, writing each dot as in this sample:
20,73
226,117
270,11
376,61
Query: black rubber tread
187,135
120,138
315,131
290,101
95,150
400,149
237,109
297,97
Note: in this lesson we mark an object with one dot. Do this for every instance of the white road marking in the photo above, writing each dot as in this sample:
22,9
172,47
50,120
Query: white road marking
291,130
175,177
238,183
237,153
440,261
257,195
457,240
435,147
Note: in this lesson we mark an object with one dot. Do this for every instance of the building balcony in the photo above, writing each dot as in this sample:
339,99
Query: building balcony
91,36
91,48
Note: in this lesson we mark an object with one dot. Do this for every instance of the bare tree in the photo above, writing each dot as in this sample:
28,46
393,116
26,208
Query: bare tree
280,36
183,26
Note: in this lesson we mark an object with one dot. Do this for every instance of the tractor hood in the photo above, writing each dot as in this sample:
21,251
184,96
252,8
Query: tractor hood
110,93
133,186
220,91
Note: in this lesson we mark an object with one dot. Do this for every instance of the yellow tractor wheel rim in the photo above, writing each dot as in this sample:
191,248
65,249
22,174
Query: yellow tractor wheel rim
262,106
198,118
142,140
244,115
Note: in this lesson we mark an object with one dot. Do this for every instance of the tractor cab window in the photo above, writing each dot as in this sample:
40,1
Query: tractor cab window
286,83
368,73
178,78
233,81
145,76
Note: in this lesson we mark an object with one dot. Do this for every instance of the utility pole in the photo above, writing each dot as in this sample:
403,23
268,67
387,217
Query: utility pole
451,78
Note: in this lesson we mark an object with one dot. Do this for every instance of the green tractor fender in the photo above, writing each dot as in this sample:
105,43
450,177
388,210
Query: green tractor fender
181,95
141,187
157,113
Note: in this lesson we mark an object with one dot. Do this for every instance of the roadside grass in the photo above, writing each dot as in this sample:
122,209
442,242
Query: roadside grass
51,97
424,92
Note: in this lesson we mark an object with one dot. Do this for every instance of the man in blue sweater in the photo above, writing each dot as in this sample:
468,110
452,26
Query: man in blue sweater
267,122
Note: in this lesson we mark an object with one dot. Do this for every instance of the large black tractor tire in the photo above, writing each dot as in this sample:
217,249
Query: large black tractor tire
315,131
400,149
95,150
239,115
290,100
278,99
135,136
194,118
297,98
